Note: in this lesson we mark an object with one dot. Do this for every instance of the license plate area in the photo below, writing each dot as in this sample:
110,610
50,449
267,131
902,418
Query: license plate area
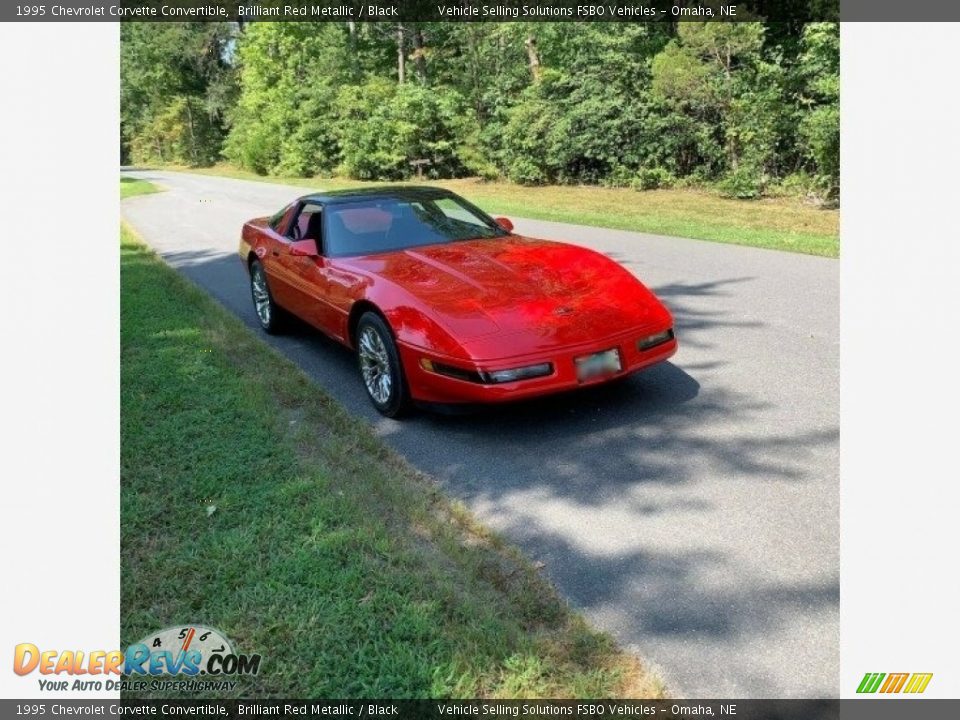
599,364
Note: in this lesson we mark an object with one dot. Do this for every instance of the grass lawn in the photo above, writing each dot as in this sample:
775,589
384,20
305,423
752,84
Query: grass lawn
253,503
777,223
129,187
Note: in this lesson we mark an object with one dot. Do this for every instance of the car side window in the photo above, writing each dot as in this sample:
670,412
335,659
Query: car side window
455,211
308,224
281,219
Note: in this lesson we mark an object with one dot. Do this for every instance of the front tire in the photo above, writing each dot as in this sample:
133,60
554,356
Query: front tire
269,314
380,368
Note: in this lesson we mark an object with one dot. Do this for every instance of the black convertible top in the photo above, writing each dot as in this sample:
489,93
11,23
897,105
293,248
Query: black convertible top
386,192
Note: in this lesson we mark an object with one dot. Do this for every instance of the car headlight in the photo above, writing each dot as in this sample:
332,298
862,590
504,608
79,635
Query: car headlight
521,373
653,340
490,377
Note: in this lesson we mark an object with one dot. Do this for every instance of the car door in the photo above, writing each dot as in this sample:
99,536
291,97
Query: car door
270,243
308,278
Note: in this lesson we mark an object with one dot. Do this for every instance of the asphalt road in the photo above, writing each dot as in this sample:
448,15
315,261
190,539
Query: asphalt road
691,511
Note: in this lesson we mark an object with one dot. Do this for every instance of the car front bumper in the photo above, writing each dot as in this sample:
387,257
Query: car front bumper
433,387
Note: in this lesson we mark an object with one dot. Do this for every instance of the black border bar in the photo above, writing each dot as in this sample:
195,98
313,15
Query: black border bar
476,10
440,10
859,709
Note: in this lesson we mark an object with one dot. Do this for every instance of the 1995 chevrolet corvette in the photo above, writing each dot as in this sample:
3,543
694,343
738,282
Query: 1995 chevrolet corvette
444,304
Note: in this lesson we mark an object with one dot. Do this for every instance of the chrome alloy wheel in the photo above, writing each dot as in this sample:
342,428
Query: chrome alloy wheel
261,296
375,365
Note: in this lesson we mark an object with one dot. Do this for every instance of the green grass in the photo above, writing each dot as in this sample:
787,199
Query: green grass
785,223
130,187
347,570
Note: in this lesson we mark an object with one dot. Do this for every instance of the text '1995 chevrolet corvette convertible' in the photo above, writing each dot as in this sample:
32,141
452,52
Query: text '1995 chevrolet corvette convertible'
444,304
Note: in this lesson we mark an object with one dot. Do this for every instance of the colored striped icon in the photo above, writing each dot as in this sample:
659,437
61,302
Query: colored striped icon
894,682
918,683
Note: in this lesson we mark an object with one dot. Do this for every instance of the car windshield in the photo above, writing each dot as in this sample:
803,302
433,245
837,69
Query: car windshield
385,224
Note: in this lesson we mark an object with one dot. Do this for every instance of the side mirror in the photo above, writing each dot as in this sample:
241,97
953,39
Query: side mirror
504,223
304,248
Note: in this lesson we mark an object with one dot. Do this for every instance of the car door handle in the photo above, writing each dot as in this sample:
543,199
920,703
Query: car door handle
277,253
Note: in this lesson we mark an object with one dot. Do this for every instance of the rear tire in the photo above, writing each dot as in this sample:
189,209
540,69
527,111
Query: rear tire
380,367
270,315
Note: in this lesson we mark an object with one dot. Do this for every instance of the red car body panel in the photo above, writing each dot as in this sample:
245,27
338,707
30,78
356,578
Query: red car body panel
479,305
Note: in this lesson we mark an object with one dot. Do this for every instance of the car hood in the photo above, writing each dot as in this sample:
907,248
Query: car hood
552,293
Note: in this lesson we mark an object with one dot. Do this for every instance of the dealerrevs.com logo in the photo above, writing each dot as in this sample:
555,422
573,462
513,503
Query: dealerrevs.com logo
172,659
910,683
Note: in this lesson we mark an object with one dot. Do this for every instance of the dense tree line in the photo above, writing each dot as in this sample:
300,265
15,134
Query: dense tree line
743,106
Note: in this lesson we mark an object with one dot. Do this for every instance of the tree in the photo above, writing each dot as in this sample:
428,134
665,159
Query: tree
290,77
714,70
819,70
172,68
383,126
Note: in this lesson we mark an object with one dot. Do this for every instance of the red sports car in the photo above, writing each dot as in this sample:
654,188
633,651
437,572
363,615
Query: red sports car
444,304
